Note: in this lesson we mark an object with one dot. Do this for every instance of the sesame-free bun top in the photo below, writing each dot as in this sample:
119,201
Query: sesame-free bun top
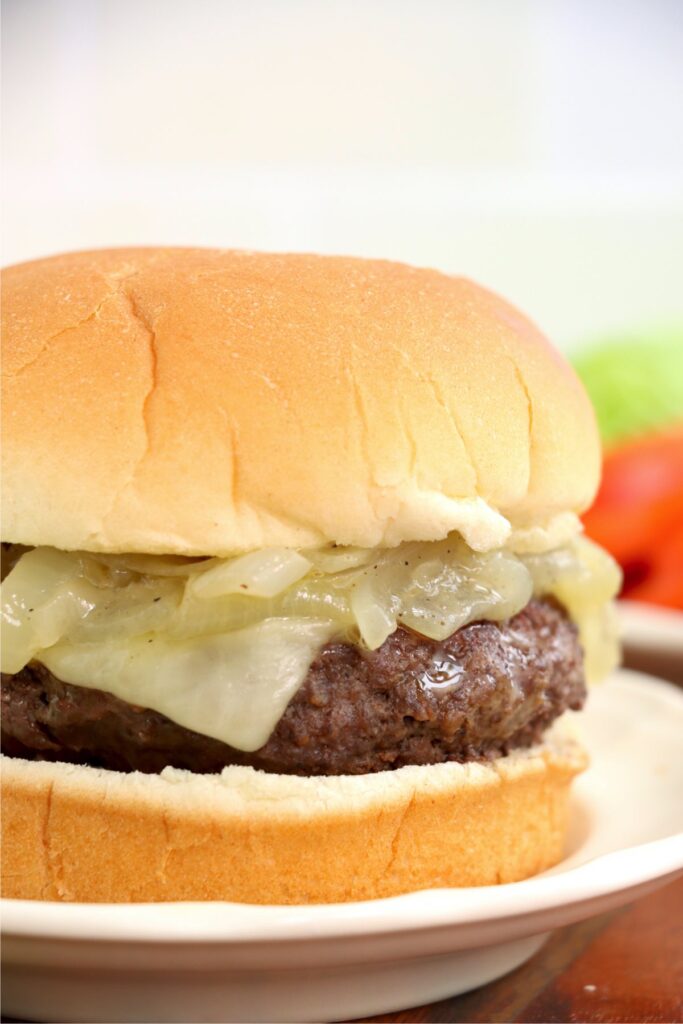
202,401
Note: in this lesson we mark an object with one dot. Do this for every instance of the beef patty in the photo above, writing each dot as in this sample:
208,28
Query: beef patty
488,688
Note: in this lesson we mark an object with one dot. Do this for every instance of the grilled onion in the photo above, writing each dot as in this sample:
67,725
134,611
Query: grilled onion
432,588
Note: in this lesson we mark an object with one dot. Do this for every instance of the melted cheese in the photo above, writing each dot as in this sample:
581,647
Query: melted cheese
231,686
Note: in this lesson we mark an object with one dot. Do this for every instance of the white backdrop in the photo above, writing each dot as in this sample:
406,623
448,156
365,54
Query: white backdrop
536,145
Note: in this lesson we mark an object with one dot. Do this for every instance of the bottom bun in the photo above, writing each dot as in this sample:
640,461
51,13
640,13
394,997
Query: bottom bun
85,834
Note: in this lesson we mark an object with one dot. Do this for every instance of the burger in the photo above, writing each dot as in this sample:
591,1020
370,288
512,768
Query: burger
296,606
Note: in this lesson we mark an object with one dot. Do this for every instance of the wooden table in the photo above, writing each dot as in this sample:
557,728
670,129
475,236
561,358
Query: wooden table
621,967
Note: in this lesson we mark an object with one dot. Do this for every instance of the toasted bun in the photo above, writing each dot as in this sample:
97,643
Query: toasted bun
202,401
74,833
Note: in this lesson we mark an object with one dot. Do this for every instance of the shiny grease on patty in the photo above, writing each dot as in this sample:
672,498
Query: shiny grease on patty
487,689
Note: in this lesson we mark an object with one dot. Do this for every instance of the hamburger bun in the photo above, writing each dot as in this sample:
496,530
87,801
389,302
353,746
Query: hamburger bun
199,402
84,834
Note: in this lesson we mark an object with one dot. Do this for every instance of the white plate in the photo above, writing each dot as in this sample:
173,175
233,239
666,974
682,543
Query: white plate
229,962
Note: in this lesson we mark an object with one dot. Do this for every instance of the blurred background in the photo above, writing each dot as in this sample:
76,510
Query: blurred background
535,145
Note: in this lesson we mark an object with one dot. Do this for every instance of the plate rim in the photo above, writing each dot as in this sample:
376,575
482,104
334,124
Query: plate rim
650,628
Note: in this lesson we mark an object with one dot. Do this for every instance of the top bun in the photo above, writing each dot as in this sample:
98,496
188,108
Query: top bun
202,401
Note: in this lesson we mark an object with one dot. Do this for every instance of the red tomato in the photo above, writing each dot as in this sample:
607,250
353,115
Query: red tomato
638,516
